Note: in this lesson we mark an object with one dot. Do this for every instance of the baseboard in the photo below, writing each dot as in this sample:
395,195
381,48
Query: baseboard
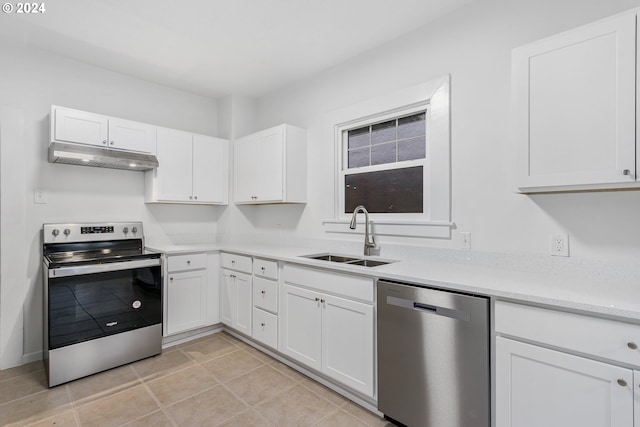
32,357
184,337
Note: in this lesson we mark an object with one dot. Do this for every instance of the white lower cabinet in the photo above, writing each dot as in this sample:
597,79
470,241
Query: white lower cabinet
265,301
186,305
235,292
265,327
559,369
537,387
329,333
191,292
301,331
236,301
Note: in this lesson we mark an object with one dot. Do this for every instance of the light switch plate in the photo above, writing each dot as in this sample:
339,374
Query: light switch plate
40,197
465,240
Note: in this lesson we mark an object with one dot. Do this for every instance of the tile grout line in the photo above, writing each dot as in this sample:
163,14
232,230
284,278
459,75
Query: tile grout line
162,407
153,396
336,410
76,416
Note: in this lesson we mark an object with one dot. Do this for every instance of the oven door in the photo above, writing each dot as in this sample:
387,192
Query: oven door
92,301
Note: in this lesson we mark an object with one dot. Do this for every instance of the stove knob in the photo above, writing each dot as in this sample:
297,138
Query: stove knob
67,231
134,230
55,232
125,230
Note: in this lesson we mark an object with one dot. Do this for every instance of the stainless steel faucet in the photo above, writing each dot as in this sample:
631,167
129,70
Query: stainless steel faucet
369,242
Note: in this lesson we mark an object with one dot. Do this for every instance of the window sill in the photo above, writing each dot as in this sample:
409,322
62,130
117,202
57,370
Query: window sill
429,229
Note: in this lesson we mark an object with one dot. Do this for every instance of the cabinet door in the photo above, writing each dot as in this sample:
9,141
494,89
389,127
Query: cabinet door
301,325
574,96
79,127
210,169
228,307
173,176
270,172
258,167
347,343
243,303
134,136
186,301
245,169
540,387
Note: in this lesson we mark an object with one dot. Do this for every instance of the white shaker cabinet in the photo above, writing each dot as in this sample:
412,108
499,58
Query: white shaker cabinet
81,127
193,169
235,292
270,166
265,301
558,369
191,292
574,99
333,334
541,387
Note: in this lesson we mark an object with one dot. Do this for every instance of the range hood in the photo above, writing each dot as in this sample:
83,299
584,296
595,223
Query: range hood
89,155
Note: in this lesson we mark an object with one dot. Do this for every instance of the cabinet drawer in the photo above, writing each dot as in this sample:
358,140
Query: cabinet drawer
265,268
328,281
236,262
186,262
602,338
265,327
265,294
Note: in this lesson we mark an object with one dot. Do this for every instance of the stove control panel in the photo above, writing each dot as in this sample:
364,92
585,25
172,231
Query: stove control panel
95,229
88,232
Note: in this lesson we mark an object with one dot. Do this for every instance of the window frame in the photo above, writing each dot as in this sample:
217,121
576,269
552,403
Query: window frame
435,222
343,129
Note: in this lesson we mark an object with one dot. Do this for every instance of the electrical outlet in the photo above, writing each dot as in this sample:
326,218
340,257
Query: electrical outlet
465,240
559,244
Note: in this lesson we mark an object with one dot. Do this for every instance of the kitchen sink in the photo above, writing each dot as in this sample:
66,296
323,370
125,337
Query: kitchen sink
332,258
365,262
370,262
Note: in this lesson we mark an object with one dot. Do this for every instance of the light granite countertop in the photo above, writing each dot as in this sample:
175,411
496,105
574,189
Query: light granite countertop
600,296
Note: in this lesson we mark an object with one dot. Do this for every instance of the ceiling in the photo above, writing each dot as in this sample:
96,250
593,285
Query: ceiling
220,47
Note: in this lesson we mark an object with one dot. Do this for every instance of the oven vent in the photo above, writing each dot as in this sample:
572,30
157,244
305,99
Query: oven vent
88,155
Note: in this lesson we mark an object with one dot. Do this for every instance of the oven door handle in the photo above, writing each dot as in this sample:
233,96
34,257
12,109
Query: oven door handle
102,268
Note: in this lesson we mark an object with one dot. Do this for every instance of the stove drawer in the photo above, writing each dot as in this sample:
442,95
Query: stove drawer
186,262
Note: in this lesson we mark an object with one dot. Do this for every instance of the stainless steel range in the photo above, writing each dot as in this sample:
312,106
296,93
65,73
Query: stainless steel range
102,298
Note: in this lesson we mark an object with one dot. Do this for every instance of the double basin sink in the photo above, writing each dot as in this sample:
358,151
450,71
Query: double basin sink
342,259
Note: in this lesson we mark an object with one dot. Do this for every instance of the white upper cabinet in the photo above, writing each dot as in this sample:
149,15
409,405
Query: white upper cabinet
81,127
134,136
210,169
574,96
193,169
270,166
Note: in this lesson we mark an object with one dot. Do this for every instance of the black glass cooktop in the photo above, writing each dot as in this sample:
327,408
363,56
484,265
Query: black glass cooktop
95,252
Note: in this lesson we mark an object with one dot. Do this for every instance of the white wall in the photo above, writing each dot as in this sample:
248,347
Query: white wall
31,81
473,45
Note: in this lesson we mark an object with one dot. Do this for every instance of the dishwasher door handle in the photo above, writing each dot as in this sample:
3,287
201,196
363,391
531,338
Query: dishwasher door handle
424,307
429,309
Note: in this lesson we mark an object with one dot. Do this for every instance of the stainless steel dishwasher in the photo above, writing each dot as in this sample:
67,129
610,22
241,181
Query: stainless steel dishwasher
433,357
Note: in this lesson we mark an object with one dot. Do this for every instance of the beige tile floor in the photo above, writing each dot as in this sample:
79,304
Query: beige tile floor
214,381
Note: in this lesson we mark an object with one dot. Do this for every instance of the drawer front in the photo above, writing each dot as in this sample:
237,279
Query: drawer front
236,262
265,327
265,294
186,262
602,338
265,268
353,286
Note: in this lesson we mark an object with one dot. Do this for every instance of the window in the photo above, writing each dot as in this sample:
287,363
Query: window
393,157
383,165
